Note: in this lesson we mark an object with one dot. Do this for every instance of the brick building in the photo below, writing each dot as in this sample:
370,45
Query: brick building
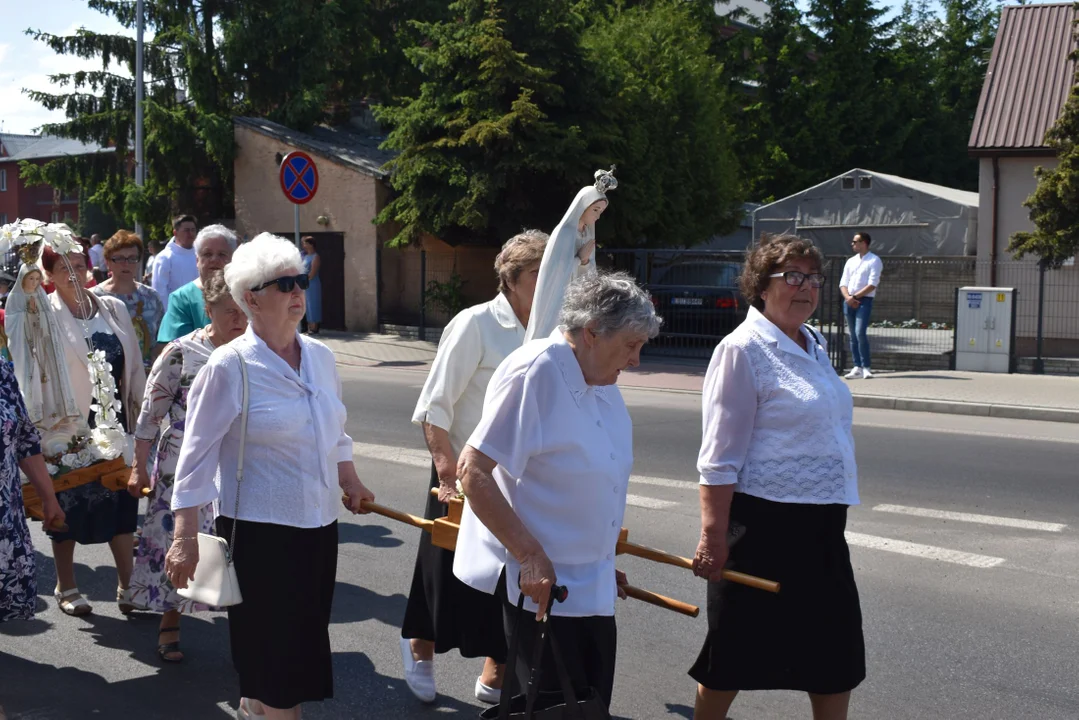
41,202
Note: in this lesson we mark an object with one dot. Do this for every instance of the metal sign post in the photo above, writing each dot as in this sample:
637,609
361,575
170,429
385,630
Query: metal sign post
298,176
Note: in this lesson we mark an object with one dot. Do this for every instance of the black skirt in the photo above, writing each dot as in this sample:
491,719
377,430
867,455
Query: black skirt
807,637
280,633
444,610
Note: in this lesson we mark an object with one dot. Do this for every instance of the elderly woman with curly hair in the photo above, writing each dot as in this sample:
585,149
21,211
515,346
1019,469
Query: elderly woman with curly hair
777,457
297,462
546,473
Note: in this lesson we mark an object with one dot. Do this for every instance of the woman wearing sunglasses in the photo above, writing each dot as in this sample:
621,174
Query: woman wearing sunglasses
297,462
778,458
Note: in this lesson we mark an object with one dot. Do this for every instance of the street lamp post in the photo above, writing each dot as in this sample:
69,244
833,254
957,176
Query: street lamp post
140,160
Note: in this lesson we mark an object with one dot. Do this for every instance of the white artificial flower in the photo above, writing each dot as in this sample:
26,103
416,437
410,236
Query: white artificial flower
70,460
52,469
11,232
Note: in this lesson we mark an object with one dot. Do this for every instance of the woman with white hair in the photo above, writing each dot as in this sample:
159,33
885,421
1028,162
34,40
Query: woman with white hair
443,613
186,311
298,460
546,473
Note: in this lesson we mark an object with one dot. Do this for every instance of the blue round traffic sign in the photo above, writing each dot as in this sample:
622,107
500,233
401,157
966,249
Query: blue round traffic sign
299,177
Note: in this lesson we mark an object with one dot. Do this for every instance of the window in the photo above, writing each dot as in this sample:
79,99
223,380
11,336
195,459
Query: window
55,216
3,180
3,218
865,182
848,183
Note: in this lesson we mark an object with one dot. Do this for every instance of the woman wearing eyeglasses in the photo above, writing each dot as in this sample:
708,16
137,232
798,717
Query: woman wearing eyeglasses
777,457
297,462
123,251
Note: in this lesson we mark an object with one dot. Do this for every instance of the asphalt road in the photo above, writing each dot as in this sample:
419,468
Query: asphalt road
968,583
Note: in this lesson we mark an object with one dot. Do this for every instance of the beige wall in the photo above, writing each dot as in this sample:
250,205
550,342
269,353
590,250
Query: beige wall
1016,183
349,199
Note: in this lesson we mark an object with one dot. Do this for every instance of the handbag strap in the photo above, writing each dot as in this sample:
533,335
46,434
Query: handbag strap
543,631
240,459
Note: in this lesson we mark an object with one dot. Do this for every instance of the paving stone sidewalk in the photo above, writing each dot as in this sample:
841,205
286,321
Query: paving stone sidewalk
1026,397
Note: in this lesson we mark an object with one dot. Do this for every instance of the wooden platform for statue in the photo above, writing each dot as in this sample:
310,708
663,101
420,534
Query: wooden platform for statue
113,474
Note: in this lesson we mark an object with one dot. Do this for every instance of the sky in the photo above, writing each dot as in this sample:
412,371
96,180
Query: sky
26,63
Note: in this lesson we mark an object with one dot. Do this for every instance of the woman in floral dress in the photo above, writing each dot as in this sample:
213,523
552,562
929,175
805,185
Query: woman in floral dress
165,401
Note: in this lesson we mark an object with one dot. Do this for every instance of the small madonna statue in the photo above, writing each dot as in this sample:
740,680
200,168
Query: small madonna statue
34,341
570,252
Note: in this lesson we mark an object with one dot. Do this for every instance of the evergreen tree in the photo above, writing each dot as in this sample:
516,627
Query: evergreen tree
1054,206
488,140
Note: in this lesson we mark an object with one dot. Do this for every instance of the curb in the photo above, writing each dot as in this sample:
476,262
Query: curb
953,407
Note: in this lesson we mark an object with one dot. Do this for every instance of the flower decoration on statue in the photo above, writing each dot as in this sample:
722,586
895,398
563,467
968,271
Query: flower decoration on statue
605,180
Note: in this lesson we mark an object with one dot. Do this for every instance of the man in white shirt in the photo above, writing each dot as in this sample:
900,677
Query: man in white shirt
861,278
97,258
176,265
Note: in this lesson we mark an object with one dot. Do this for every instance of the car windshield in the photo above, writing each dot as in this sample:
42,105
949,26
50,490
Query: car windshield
702,274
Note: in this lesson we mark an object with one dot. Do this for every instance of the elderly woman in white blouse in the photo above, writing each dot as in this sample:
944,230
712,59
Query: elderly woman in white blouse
546,472
297,461
777,457
443,613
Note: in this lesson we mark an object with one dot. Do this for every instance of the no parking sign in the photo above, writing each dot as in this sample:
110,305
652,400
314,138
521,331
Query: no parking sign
299,177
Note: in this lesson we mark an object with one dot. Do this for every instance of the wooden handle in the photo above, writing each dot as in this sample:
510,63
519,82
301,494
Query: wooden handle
145,492
397,515
628,548
661,601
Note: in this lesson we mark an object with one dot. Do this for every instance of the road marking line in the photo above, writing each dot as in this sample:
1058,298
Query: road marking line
972,518
929,552
420,458
647,502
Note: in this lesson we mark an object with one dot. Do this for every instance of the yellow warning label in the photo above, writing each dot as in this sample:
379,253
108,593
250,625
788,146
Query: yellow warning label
998,344
972,342
1000,297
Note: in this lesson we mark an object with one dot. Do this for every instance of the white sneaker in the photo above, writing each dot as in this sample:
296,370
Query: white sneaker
419,674
855,374
866,374
486,694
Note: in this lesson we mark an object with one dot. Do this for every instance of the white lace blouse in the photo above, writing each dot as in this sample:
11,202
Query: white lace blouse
776,420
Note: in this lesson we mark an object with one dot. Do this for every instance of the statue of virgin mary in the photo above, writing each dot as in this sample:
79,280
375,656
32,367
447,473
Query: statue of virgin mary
570,252
33,332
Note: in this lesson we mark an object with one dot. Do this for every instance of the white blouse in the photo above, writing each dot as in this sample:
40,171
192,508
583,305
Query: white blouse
295,436
777,421
565,452
475,342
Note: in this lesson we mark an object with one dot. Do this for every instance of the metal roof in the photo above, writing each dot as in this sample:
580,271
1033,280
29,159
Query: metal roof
960,197
43,147
357,151
1029,77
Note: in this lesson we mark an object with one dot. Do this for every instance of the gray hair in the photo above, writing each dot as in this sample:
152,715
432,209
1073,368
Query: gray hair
215,231
267,257
609,301
520,251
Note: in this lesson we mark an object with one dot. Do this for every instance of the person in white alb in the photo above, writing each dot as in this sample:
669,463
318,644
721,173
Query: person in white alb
443,613
175,266
545,474
297,462
777,458
861,278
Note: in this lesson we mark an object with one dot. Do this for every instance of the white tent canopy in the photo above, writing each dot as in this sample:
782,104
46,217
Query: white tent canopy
904,217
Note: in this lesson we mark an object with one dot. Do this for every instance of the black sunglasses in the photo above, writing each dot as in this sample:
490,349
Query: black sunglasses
797,279
286,284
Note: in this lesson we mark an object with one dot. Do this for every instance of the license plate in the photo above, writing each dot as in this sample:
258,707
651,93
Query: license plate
687,301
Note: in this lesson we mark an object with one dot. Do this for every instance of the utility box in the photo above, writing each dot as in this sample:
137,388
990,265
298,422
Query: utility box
985,329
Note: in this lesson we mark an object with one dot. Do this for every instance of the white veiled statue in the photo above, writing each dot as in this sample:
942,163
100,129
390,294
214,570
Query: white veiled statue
33,332
562,260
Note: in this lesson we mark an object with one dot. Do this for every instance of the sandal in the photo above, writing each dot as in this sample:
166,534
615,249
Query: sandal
124,602
77,607
164,650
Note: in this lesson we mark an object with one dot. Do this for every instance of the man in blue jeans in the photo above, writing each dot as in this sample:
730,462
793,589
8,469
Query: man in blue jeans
861,277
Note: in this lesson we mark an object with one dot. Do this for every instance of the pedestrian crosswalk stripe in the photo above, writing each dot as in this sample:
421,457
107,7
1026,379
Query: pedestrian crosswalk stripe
929,552
972,518
647,502
663,482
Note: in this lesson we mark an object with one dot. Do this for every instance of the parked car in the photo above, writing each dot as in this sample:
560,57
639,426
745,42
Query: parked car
699,301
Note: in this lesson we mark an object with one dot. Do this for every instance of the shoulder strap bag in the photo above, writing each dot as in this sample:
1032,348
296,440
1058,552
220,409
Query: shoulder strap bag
215,580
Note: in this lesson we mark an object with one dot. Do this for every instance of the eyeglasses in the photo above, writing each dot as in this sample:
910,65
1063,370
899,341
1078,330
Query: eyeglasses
124,260
797,279
286,284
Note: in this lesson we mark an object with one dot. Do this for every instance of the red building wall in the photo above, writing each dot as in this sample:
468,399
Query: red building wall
40,202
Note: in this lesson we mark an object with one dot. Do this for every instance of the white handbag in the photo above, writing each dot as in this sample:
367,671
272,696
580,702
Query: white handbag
215,580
